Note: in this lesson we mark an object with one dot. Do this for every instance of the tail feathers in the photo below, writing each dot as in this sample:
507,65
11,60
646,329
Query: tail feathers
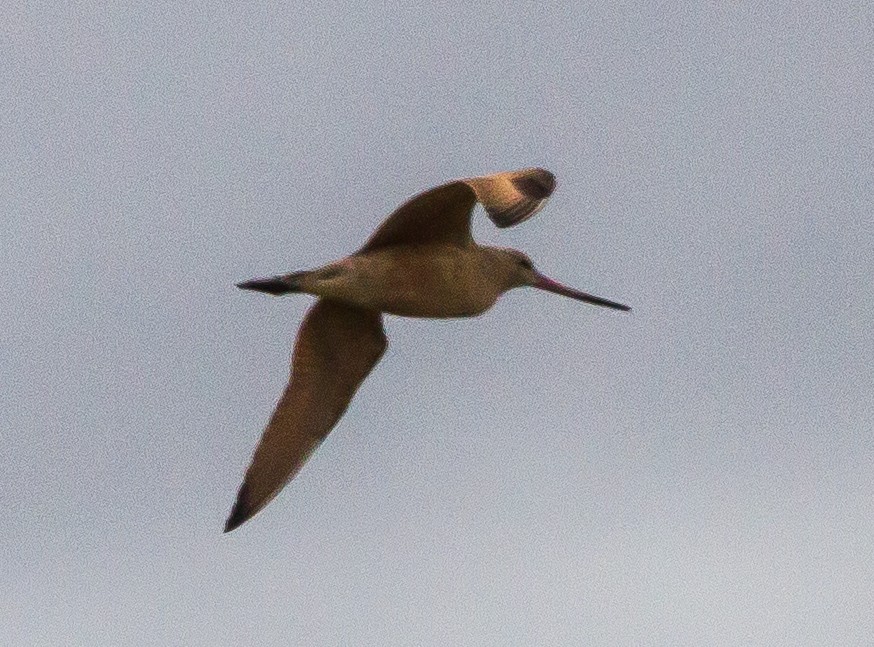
273,285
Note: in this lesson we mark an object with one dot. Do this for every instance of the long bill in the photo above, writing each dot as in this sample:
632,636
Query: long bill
546,283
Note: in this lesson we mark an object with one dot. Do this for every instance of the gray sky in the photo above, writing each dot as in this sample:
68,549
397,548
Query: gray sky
699,472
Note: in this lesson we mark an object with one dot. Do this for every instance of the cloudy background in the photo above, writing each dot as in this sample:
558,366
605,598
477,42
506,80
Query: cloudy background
696,472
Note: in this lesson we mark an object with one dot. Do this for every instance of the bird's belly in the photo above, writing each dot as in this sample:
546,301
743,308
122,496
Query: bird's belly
423,296
439,304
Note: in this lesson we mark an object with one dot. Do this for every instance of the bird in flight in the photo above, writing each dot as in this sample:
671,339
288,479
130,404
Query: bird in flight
421,262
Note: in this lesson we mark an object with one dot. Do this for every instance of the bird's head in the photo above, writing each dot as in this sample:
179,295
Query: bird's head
521,272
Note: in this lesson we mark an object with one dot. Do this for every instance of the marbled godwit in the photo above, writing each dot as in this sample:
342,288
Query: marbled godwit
421,262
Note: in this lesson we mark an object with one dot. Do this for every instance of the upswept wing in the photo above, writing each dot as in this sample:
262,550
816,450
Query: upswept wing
336,348
442,214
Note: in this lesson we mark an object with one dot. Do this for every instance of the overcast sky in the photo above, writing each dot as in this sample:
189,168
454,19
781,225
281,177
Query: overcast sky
699,472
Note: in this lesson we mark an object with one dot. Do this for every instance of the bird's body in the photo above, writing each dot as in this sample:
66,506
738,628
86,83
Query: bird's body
421,262
433,281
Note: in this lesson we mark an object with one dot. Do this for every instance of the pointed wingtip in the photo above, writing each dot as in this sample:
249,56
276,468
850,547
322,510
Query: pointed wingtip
242,511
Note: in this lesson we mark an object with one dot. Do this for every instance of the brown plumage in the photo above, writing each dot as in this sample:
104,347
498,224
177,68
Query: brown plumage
421,262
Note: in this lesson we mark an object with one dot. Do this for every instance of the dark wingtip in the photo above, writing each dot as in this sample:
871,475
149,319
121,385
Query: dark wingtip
537,184
242,511
273,285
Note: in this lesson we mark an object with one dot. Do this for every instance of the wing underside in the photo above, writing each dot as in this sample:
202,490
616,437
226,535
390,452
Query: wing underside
336,348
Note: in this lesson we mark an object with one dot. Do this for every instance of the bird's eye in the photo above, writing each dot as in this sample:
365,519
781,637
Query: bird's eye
524,262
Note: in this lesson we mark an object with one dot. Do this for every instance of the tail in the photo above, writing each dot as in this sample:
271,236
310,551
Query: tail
275,285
